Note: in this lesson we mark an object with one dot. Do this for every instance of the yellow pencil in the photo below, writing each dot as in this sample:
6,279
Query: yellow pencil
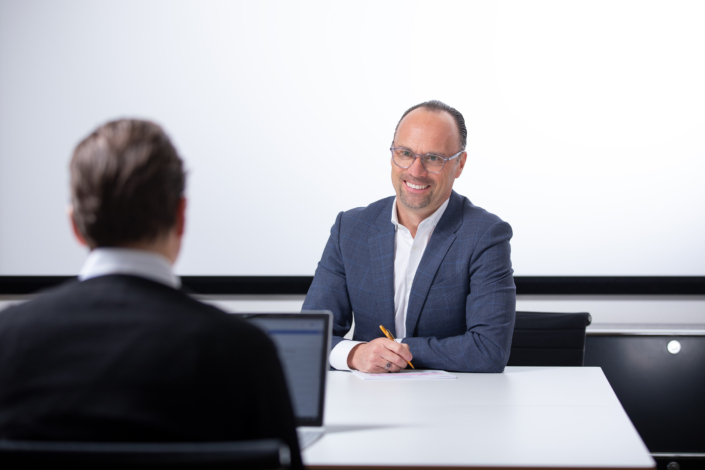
389,335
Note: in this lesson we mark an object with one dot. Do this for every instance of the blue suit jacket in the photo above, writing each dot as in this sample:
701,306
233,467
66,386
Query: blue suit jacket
463,300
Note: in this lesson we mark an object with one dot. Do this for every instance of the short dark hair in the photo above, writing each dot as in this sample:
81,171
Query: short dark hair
126,183
439,106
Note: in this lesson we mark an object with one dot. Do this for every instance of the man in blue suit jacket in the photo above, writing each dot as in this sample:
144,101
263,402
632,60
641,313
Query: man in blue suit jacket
428,265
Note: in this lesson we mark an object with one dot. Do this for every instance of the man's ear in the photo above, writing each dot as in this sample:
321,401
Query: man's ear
76,232
461,164
181,217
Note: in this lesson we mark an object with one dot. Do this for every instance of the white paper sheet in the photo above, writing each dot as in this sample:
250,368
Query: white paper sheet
407,375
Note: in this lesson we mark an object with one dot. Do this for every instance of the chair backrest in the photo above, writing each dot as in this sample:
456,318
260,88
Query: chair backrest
549,339
255,454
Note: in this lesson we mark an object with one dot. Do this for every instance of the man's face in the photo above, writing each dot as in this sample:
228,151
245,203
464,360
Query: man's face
423,131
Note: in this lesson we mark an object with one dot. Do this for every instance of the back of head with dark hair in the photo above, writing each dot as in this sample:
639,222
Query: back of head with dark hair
126,184
439,106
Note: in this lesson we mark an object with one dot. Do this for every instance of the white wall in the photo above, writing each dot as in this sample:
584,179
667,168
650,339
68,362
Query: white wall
585,127
604,309
585,122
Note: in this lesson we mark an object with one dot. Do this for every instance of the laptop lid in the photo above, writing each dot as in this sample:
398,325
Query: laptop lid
303,343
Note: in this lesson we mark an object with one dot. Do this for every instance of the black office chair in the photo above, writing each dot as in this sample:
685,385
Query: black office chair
255,454
549,339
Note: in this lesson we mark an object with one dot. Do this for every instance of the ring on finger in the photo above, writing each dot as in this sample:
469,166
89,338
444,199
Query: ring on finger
388,366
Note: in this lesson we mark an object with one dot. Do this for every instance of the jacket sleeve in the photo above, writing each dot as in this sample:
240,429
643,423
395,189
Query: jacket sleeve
329,290
490,310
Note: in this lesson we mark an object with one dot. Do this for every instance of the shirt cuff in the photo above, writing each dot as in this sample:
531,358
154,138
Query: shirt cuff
339,355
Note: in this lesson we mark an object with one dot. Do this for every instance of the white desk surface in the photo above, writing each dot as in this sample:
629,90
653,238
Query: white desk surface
526,417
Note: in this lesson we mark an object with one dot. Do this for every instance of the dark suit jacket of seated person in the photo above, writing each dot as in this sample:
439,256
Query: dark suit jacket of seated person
122,354
430,266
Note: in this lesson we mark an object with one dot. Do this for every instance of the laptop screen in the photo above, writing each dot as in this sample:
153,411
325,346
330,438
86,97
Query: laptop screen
303,344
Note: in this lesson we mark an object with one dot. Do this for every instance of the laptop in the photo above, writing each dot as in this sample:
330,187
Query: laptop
303,344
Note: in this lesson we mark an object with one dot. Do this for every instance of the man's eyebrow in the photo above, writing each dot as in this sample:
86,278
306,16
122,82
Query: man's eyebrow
440,154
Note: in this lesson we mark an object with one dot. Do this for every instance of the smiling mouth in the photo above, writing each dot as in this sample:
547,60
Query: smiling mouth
416,186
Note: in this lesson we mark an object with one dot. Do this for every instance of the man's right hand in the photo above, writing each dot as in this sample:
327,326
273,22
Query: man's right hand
373,356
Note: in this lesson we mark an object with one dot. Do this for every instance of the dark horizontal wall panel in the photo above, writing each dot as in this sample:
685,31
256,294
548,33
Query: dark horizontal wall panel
22,285
293,285
598,285
247,284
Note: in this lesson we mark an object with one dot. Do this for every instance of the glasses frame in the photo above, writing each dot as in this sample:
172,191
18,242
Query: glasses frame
421,155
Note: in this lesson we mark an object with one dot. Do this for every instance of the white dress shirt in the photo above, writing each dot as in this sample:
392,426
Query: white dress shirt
408,252
146,264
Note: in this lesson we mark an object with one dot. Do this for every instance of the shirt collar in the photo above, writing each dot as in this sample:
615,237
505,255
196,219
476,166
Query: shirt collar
431,220
141,263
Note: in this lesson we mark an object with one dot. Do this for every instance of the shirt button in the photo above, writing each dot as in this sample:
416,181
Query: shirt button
414,248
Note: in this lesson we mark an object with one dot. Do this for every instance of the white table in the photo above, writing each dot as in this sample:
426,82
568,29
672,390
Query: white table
527,417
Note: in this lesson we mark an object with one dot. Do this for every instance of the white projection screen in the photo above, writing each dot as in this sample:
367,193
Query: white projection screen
586,122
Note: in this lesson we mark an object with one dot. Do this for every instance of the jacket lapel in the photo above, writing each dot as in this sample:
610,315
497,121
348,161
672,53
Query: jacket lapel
381,247
441,240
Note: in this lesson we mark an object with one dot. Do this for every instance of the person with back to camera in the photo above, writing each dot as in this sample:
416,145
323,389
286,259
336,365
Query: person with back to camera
427,265
122,354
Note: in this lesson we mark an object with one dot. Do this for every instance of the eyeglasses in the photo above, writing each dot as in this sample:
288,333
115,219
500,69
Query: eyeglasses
433,163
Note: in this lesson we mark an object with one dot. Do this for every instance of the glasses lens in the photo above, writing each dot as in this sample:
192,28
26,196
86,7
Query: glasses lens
433,163
403,157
